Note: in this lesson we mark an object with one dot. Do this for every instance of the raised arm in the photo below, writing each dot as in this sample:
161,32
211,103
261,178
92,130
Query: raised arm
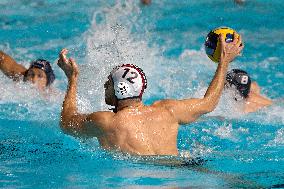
72,121
10,67
188,110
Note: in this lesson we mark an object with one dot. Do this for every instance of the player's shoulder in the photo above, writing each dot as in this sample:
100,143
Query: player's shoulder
165,103
101,117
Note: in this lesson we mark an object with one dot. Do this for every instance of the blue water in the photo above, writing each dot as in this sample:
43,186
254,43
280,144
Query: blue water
166,40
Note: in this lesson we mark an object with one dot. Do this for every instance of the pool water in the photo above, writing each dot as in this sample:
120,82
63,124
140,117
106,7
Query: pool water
166,40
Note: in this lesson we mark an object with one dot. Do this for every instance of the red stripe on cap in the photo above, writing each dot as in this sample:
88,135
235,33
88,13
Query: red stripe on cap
141,74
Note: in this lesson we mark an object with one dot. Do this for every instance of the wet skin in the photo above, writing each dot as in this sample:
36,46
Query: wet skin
18,72
37,77
254,101
134,127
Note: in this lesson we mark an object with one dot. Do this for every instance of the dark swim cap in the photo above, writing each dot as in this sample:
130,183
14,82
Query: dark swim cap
46,67
241,80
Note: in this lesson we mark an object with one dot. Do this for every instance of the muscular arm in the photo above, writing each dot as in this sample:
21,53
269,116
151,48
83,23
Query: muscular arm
72,121
188,110
10,67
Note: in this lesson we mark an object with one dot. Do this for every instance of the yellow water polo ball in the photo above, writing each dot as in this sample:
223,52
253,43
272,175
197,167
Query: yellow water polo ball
213,45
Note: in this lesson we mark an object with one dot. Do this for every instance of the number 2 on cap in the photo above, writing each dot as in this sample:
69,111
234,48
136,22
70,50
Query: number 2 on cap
129,78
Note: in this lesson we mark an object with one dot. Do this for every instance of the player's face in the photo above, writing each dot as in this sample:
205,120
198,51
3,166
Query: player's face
234,91
109,92
37,77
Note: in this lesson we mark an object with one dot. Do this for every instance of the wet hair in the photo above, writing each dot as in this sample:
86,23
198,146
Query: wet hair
240,80
46,67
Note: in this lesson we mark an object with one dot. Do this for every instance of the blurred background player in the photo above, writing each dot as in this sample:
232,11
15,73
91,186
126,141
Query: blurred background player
39,73
246,91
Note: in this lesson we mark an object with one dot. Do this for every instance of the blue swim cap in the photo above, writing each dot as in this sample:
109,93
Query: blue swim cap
46,67
241,80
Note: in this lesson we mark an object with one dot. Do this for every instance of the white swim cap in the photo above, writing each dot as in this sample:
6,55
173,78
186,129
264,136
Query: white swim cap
129,81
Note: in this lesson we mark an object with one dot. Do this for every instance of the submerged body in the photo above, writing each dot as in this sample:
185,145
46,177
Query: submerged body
133,127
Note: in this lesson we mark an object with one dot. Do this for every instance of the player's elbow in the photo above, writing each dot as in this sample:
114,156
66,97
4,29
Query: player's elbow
208,107
209,104
65,124
211,108
68,125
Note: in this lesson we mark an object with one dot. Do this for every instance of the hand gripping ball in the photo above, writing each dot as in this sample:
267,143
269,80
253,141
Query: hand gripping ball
213,45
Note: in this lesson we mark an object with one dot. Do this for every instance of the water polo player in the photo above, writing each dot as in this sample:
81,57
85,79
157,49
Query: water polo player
134,127
246,91
39,73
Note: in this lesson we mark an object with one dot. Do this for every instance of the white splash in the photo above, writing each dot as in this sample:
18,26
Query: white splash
279,138
22,101
110,42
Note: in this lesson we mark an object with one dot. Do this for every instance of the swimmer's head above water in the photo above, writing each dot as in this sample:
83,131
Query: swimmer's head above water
40,73
126,81
240,80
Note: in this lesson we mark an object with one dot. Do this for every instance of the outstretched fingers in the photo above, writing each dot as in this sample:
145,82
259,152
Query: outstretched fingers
75,69
73,63
64,51
67,65
232,49
236,38
63,56
241,48
239,44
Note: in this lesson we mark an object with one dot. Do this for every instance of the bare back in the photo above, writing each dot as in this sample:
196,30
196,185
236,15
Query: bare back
136,128
146,130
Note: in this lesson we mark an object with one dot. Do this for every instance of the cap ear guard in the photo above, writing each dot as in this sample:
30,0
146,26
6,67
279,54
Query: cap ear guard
122,88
